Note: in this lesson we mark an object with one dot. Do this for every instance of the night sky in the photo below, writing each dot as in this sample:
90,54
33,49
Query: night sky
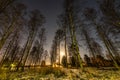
51,9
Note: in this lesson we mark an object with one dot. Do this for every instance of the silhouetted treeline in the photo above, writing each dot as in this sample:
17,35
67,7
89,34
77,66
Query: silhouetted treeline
100,61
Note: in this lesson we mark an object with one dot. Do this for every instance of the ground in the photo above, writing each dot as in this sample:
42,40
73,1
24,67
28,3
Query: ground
49,73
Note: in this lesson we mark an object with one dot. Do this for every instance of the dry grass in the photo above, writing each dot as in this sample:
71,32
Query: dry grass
49,73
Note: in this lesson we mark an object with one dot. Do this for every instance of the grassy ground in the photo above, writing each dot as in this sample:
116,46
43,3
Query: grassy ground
48,73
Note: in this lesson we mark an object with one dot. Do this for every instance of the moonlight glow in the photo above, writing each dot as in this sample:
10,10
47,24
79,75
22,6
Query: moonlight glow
62,53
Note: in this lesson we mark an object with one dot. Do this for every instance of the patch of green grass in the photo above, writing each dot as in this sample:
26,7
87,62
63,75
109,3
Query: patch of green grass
50,73
50,70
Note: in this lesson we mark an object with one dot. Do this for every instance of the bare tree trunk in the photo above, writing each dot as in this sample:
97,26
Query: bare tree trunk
66,49
87,38
7,33
88,42
5,54
25,47
59,54
74,40
27,51
106,42
9,48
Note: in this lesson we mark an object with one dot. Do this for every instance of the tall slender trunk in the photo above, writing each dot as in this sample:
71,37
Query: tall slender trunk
29,45
66,49
87,38
59,53
7,33
88,42
8,50
25,47
106,42
74,40
5,54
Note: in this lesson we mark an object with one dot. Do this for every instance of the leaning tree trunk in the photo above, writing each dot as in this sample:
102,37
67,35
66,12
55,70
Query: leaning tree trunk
106,42
22,55
7,33
87,38
27,51
8,49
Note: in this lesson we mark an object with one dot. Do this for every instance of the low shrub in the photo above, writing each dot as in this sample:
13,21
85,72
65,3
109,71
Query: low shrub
50,70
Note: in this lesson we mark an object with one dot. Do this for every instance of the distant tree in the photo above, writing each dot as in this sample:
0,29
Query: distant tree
59,36
12,48
35,22
88,41
41,43
100,60
90,14
111,16
53,52
70,15
43,63
64,61
62,22
45,55
11,19
33,56
96,47
87,60
74,62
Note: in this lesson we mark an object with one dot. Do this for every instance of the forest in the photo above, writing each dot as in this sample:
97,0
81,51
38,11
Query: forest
85,46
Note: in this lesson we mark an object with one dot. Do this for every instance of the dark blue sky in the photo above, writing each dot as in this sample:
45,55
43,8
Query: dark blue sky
51,9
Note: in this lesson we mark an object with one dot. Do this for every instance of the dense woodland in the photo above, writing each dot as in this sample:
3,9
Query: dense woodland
96,30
